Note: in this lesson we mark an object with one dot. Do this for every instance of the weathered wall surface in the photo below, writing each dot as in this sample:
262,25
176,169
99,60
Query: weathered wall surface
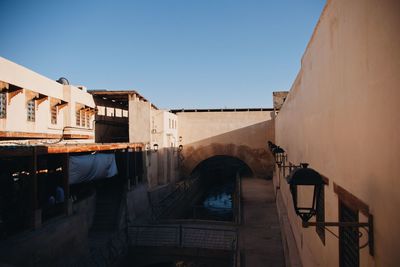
139,209
164,134
240,134
139,120
58,242
342,117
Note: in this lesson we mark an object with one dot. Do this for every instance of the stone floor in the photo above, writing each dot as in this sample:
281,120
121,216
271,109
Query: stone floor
260,234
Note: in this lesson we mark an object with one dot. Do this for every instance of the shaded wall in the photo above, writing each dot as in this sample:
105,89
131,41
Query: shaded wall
238,134
58,242
342,117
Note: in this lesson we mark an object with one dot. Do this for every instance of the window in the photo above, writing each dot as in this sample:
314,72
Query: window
87,116
125,113
3,105
78,117
349,255
53,111
101,110
169,123
31,110
320,217
110,112
83,118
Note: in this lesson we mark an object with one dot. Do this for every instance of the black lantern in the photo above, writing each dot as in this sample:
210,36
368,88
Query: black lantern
180,148
155,147
279,154
305,176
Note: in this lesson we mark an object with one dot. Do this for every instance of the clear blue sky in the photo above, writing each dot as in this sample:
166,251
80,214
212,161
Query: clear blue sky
176,53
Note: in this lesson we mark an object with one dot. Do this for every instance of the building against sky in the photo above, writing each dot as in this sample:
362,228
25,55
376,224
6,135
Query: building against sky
341,117
33,106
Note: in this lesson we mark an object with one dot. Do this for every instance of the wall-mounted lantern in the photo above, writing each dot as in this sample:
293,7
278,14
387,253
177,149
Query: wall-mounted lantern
180,148
279,154
302,177
305,176
155,147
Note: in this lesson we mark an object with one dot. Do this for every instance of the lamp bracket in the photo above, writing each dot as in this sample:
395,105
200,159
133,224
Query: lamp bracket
367,226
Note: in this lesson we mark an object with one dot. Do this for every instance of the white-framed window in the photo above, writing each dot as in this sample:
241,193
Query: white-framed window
118,112
110,112
31,110
78,117
83,118
3,105
124,113
87,118
53,113
101,110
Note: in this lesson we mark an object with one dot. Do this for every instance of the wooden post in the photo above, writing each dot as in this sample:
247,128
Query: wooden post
127,170
36,213
65,182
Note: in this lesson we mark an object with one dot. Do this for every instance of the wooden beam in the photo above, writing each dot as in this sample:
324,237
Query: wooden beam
78,136
11,94
3,85
20,150
40,99
56,149
350,200
20,135
61,105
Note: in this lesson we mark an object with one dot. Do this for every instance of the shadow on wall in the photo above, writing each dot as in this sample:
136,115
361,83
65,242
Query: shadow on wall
247,144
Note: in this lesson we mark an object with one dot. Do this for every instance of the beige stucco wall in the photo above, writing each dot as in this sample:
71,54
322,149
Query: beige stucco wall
241,134
151,126
342,117
33,84
162,165
139,120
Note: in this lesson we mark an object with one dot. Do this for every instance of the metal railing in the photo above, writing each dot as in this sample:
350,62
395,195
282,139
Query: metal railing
183,236
182,189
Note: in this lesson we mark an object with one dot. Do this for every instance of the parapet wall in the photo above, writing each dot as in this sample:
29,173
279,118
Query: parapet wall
240,134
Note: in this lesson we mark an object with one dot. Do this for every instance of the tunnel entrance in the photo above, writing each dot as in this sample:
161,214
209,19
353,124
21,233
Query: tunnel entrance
219,199
220,167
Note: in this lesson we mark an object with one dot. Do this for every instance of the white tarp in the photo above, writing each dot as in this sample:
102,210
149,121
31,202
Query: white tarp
86,168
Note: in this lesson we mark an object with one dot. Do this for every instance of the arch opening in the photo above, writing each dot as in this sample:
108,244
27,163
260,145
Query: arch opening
219,197
222,167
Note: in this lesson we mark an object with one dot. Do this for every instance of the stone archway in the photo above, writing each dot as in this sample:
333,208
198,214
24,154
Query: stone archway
260,160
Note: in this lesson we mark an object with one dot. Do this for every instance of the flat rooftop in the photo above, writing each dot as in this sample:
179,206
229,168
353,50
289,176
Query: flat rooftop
221,110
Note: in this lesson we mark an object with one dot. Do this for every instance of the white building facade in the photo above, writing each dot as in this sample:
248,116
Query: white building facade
33,106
